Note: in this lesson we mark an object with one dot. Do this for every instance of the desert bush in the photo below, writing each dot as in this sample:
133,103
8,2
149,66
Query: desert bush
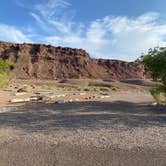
106,89
5,68
95,89
83,89
157,92
155,62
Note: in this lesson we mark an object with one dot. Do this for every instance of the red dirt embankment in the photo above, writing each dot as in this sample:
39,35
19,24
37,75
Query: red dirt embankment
47,62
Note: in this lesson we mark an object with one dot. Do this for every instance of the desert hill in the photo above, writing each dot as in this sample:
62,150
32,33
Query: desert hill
41,61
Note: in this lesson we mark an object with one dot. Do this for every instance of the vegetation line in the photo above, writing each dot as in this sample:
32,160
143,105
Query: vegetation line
155,62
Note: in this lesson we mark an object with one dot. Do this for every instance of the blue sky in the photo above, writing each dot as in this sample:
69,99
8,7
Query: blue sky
115,29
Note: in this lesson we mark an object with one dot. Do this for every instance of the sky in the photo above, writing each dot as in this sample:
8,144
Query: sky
112,29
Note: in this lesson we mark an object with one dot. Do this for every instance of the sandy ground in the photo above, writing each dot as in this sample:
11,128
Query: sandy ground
123,130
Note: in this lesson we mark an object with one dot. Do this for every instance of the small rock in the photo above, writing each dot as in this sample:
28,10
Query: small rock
35,98
71,100
20,94
63,95
20,100
82,94
61,101
154,104
102,97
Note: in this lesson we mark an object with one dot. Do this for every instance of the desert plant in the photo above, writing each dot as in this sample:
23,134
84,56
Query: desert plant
106,89
157,92
83,89
5,68
155,62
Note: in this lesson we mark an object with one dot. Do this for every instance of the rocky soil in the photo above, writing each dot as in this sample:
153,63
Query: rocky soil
122,129
20,92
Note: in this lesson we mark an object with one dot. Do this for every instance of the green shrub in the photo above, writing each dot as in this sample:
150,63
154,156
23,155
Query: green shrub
83,89
95,89
157,93
105,89
155,62
5,68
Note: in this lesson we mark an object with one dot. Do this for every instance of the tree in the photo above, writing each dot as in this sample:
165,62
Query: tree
155,62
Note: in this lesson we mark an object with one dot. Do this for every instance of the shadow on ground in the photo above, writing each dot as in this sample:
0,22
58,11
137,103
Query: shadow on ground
85,115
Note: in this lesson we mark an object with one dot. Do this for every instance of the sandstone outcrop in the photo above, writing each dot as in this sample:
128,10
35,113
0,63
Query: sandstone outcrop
41,61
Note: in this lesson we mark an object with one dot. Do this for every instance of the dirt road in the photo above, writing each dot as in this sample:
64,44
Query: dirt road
125,130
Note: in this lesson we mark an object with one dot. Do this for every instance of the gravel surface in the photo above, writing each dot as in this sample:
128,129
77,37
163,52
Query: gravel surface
124,130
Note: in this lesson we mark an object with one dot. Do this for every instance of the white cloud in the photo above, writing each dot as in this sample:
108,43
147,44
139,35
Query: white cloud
133,36
118,37
55,14
12,34
61,26
51,7
37,18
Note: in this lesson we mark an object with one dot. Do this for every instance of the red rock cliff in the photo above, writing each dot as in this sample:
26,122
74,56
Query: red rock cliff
48,62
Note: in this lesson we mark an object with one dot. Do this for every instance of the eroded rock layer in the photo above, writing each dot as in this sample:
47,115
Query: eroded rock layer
47,62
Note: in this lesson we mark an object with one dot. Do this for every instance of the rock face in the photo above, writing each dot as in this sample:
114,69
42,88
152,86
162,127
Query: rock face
121,69
47,62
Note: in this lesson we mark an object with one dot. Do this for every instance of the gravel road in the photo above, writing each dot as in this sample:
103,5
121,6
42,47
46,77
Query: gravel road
125,130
